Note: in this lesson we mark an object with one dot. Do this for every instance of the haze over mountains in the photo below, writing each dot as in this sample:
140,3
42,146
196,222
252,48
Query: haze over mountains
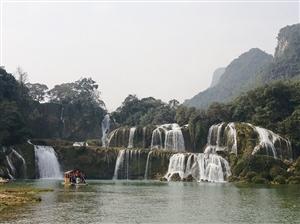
252,69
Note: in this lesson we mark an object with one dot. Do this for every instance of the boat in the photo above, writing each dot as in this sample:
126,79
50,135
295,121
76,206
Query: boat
74,178
3,181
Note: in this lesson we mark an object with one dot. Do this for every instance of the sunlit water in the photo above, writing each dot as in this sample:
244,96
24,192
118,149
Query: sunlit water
157,202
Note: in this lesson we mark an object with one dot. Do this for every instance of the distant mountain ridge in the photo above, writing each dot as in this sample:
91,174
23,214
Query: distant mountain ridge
254,68
286,62
236,78
216,76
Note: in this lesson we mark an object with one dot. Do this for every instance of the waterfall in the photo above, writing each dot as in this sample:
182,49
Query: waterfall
111,136
144,137
267,141
131,137
119,163
232,136
222,137
174,140
127,161
23,161
47,162
62,119
156,140
201,166
147,165
105,125
11,165
9,174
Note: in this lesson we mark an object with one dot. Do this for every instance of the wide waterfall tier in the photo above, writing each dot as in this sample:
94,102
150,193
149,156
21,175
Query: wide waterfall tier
167,137
222,137
141,164
240,138
199,166
129,165
47,162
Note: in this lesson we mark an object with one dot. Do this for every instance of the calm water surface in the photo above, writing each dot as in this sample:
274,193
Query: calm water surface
156,202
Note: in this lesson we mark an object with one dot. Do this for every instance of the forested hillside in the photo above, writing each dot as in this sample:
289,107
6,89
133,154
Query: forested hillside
237,78
255,68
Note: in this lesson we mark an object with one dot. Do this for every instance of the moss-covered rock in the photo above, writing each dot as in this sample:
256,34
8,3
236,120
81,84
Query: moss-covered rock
189,178
294,180
259,180
175,177
280,180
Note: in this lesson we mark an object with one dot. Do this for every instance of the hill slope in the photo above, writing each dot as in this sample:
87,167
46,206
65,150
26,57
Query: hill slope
216,76
286,63
238,76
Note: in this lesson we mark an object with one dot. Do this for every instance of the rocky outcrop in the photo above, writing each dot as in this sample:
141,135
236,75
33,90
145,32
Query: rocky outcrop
216,76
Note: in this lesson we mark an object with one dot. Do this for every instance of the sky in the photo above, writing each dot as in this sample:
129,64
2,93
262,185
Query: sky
167,50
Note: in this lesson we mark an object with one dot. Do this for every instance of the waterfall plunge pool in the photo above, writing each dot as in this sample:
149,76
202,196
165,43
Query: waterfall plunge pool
158,202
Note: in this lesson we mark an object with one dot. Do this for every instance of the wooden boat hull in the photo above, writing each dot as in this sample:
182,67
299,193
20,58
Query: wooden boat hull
72,184
4,181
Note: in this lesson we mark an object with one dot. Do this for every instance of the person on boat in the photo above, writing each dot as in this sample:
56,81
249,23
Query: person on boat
73,179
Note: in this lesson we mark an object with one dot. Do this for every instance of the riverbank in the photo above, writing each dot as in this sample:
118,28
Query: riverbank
10,197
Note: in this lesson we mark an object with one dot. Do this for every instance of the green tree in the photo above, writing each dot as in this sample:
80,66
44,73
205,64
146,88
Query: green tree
37,91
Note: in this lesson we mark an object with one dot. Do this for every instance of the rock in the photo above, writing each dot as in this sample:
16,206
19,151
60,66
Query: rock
175,177
233,178
276,171
259,180
250,175
279,180
294,180
189,178
163,179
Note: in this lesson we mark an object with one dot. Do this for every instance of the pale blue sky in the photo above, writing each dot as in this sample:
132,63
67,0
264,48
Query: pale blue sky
165,50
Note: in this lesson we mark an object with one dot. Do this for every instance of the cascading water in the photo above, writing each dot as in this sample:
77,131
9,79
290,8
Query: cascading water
111,135
126,160
223,137
267,141
47,163
105,125
11,160
23,161
174,140
148,165
156,140
232,137
119,163
11,166
201,166
131,137
62,119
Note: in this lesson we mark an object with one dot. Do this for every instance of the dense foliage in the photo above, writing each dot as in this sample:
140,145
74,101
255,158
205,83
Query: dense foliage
274,106
15,105
74,110
135,111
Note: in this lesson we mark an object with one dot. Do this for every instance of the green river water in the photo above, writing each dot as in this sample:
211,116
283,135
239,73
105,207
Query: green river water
158,202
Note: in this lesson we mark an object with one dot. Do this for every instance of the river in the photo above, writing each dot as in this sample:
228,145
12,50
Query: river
158,202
